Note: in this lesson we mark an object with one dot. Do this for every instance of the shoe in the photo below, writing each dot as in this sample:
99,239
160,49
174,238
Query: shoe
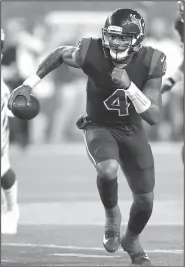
111,238
132,246
141,260
9,221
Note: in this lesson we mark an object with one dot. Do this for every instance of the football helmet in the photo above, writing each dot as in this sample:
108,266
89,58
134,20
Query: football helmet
123,34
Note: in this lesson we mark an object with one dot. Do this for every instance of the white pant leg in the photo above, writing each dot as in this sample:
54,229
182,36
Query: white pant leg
5,162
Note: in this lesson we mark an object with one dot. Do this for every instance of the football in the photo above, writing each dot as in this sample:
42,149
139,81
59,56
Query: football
24,112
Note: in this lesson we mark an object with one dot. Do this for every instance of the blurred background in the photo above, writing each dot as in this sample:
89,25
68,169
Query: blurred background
33,29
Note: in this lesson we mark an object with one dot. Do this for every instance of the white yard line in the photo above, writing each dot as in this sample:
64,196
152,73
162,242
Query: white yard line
80,255
53,246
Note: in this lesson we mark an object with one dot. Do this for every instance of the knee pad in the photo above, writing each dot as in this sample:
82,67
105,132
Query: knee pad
107,169
144,201
8,179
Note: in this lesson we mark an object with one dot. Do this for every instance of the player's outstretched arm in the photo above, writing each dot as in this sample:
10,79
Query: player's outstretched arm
63,54
169,83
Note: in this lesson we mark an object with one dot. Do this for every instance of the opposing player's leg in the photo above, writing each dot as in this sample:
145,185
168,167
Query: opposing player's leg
3,202
9,219
103,152
138,166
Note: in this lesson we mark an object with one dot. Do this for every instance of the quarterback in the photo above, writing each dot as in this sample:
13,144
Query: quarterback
123,87
10,216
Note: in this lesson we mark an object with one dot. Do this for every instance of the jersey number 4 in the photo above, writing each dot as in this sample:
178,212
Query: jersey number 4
118,101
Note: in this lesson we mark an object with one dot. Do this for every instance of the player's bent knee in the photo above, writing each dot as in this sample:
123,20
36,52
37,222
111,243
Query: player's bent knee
144,201
107,169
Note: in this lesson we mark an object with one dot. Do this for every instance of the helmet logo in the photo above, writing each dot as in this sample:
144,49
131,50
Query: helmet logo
137,22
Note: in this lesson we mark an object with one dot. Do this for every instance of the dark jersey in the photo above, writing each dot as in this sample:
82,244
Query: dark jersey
107,104
179,26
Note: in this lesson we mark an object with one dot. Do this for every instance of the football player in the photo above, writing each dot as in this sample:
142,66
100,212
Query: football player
179,27
123,87
177,79
10,216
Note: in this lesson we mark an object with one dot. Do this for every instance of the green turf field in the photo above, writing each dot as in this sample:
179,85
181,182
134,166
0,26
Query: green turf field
62,218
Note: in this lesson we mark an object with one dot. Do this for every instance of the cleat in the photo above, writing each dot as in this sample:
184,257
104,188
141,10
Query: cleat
132,246
9,221
111,238
141,260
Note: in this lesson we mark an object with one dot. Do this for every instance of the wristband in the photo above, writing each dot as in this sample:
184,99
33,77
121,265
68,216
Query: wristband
32,81
139,100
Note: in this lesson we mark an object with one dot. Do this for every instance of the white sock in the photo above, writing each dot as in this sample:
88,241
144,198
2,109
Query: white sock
11,196
3,201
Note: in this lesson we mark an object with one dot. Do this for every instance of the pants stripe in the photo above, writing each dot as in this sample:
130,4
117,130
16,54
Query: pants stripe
89,154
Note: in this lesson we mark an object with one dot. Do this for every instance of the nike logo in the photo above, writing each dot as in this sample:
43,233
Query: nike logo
162,59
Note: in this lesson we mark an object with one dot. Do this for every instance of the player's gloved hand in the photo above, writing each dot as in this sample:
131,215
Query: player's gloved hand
167,85
121,78
23,90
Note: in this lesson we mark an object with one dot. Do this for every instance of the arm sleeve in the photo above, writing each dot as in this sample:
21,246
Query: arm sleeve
156,63
82,49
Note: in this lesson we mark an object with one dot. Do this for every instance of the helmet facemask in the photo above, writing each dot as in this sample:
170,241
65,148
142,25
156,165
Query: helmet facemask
127,45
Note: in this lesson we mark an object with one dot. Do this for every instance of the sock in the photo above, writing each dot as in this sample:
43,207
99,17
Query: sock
108,191
138,218
9,184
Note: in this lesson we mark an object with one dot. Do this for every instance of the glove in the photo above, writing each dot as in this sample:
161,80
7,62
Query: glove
23,90
167,85
121,78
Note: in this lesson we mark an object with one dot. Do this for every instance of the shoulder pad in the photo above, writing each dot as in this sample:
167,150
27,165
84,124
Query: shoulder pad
82,49
155,60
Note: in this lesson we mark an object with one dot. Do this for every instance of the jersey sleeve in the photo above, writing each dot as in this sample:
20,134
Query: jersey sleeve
155,60
82,49
179,26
